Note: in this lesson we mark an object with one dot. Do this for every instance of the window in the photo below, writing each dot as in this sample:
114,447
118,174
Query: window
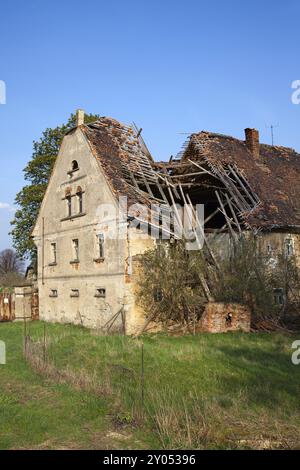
100,239
80,202
75,243
278,296
100,292
158,295
69,205
53,293
53,253
289,247
75,165
269,249
74,293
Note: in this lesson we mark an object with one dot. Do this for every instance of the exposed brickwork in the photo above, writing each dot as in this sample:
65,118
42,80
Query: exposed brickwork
220,318
252,141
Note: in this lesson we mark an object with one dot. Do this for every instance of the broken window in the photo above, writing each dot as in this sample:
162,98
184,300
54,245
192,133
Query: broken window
69,205
289,247
75,243
53,253
74,293
100,292
100,239
278,296
53,293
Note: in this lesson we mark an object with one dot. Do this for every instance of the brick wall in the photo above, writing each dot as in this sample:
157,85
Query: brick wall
220,317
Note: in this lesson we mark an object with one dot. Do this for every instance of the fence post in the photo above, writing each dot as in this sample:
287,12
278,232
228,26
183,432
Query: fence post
142,377
44,344
25,337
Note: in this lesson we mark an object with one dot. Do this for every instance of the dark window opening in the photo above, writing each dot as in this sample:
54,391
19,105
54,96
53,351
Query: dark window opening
158,295
80,202
100,292
74,293
75,165
100,246
53,293
278,296
69,205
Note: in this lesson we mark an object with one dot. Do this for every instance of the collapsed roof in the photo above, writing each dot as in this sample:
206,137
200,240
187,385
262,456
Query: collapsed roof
272,174
242,184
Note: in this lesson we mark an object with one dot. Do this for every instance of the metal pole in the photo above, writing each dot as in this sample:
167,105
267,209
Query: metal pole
142,377
44,345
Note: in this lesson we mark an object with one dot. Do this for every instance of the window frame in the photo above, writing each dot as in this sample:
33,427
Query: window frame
279,297
100,295
79,196
75,248
100,246
289,247
53,254
69,205
74,293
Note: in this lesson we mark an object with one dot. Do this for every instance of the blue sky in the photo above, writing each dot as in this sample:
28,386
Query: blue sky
173,67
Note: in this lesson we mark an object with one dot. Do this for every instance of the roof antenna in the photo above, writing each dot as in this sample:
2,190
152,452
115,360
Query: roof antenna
272,127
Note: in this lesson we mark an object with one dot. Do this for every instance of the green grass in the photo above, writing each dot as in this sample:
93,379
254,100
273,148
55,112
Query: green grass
208,391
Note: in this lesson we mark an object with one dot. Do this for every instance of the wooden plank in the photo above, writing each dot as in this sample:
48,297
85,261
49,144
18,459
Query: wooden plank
233,213
225,215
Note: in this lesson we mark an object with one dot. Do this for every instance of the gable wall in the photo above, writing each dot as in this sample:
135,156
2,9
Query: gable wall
88,274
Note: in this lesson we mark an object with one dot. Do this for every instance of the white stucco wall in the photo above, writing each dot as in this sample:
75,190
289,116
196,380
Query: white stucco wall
87,275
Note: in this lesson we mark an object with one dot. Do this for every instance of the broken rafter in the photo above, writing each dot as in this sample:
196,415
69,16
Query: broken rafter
203,234
184,175
223,211
233,213
202,168
254,200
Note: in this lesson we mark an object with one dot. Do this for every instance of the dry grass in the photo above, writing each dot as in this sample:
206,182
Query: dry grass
206,392
79,379
199,425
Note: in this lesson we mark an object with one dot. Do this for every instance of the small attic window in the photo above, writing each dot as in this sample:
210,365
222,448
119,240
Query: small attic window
75,165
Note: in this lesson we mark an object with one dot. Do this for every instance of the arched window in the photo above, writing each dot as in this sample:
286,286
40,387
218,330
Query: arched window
75,165
69,205
68,196
79,194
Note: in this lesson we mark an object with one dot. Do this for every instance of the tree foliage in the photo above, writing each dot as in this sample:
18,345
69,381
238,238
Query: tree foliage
11,269
37,174
169,286
10,262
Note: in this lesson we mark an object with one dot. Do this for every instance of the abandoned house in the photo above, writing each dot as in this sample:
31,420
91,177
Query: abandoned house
86,258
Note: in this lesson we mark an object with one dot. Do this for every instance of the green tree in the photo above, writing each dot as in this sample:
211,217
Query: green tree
37,174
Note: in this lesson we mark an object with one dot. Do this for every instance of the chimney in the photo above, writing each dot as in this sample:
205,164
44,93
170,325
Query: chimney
79,117
252,141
